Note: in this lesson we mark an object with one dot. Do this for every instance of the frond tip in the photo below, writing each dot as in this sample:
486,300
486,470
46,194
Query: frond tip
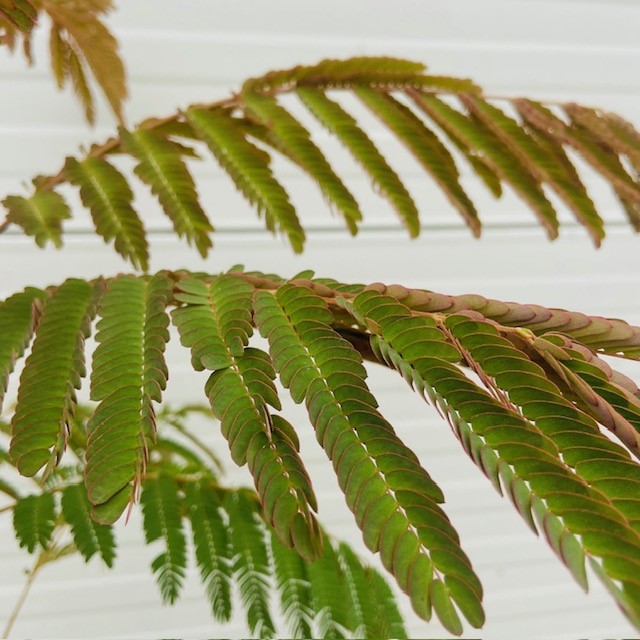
517,143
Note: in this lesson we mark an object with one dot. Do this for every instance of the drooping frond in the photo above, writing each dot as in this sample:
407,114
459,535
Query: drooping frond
212,547
215,323
18,319
79,39
518,143
527,391
160,165
129,374
292,583
163,521
90,537
106,193
251,563
388,491
52,374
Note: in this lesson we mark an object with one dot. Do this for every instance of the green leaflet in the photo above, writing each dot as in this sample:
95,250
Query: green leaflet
251,562
18,319
426,147
40,215
212,547
331,597
341,124
163,521
394,500
129,373
106,193
385,621
52,373
248,166
89,537
507,166
361,606
161,166
34,521
292,136
546,166
292,584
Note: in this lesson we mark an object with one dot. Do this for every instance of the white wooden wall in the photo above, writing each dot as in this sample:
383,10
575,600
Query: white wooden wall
196,50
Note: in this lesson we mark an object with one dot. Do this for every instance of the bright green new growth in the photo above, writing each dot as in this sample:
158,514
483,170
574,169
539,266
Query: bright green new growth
436,118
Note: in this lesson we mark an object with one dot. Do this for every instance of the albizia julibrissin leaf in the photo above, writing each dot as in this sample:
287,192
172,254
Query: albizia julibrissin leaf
215,322
394,500
129,374
34,521
293,137
39,215
18,318
162,520
248,166
344,126
107,194
528,153
89,537
161,167
52,374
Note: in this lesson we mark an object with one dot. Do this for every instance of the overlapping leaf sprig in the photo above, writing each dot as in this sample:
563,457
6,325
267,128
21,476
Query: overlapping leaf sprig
80,46
527,390
522,144
184,504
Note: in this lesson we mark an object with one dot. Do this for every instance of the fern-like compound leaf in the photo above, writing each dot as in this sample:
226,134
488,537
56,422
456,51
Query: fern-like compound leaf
248,167
51,376
426,147
212,547
129,374
89,537
383,482
161,167
18,318
96,44
251,563
34,521
295,139
341,124
331,597
40,215
509,168
162,520
292,584
106,193
546,166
